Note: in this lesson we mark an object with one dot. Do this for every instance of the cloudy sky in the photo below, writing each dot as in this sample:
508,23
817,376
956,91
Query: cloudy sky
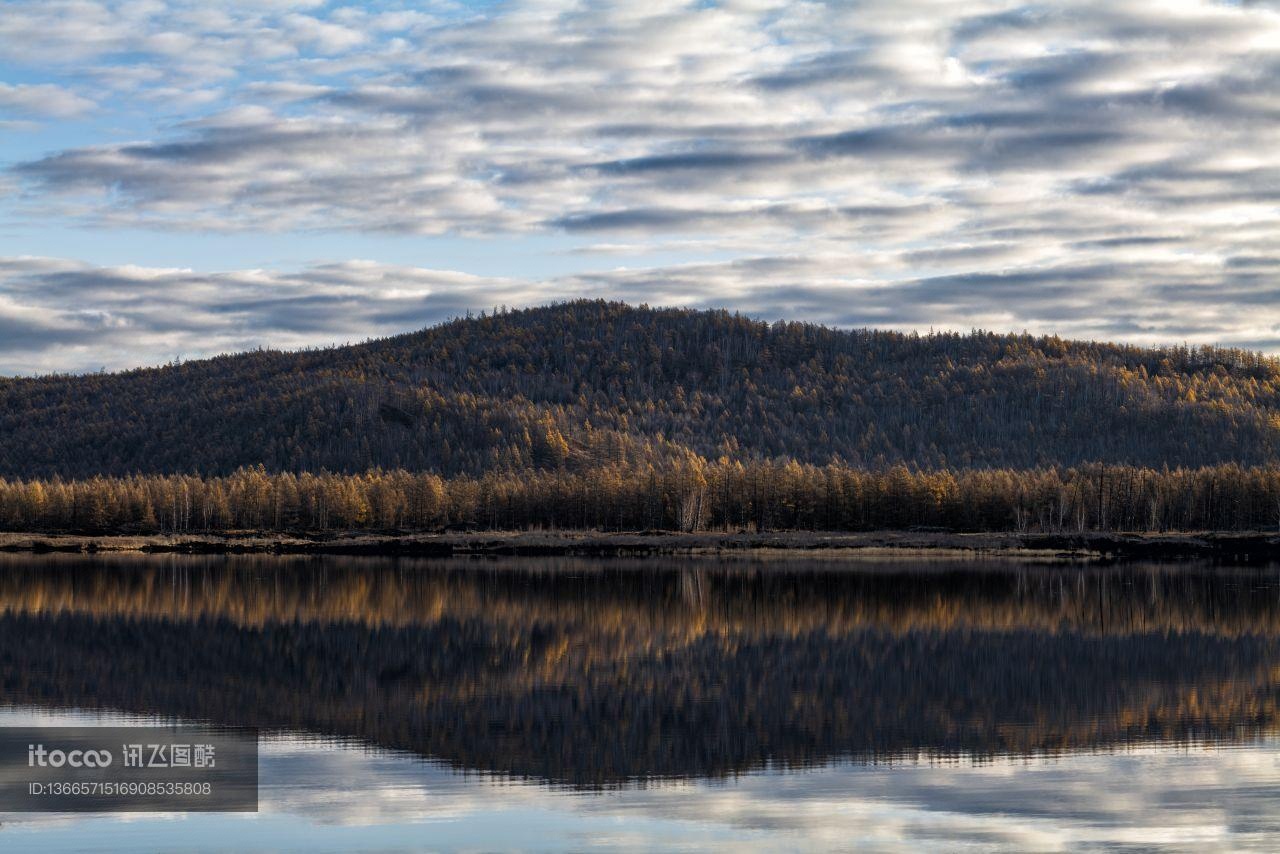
186,177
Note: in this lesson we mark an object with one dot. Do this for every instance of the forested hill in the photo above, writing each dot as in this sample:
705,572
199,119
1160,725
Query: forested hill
589,383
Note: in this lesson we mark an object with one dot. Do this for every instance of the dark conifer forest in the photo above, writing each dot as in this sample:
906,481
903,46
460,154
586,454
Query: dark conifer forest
601,415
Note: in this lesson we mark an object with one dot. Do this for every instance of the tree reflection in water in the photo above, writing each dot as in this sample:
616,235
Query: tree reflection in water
599,673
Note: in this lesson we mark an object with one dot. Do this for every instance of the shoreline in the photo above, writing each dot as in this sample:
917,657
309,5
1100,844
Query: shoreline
1243,547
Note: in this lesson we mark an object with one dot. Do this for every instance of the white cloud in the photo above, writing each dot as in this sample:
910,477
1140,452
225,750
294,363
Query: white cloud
1094,168
1179,797
58,315
551,116
42,99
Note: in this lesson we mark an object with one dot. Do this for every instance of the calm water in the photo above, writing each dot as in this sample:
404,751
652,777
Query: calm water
569,704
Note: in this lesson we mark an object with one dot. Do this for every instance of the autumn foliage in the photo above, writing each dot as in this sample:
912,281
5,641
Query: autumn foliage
690,494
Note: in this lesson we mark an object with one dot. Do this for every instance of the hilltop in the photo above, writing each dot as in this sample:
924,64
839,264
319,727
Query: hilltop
582,384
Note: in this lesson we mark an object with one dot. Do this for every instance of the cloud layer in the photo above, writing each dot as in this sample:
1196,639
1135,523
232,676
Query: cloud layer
1182,797
1088,168
59,315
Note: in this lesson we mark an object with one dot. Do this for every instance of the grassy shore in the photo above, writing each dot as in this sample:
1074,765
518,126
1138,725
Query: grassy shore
1234,546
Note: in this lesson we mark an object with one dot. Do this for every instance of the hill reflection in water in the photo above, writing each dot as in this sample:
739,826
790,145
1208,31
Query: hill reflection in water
598,673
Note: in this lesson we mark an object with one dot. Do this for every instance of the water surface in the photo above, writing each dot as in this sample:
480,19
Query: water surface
701,703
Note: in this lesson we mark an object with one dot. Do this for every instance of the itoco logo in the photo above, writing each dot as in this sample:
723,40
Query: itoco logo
38,756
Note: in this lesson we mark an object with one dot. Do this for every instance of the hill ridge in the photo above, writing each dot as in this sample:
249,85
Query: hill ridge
583,383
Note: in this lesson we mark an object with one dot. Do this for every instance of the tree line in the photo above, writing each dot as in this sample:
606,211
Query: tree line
688,494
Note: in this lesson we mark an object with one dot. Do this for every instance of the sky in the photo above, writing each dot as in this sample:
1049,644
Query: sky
181,178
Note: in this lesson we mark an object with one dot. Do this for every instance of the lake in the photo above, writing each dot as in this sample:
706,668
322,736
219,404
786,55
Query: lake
684,703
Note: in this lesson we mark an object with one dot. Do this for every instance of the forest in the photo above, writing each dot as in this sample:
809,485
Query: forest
602,416
686,495
587,385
